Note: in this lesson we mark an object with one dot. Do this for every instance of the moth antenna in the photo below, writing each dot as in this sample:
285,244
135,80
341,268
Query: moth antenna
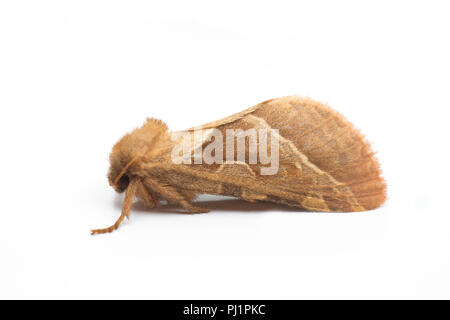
124,170
127,202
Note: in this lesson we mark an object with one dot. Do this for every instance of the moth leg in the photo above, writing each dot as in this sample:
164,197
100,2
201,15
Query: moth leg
172,194
188,195
127,202
145,195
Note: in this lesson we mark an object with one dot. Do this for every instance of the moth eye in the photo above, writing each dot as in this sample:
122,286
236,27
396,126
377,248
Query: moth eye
123,183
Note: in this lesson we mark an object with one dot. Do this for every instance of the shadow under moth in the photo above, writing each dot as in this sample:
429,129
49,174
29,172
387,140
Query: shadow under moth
318,161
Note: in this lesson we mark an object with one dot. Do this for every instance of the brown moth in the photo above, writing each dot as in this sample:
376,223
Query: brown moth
324,163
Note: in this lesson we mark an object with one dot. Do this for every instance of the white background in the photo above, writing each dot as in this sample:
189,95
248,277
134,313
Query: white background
76,75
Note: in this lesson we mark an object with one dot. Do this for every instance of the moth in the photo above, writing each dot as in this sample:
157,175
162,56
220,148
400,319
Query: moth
323,163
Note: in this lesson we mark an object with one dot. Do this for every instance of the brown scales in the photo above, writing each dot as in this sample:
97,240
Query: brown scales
325,164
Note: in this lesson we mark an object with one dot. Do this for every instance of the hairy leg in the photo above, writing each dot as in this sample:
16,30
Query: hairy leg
145,195
127,202
171,194
188,195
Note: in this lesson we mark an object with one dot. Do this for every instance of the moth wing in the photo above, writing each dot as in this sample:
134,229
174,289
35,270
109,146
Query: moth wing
323,159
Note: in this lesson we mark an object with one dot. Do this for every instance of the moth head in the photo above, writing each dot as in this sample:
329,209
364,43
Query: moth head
129,150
